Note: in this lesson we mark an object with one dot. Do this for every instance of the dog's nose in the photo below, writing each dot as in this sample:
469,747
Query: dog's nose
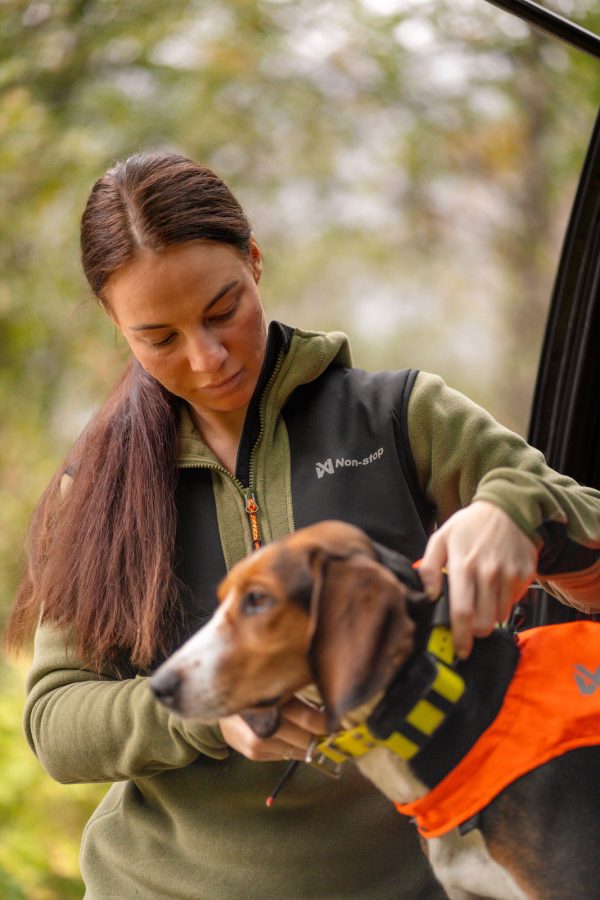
165,685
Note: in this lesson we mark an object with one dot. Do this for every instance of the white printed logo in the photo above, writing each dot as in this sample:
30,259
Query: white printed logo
329,466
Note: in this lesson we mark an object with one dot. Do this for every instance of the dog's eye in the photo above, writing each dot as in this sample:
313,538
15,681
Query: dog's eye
256,602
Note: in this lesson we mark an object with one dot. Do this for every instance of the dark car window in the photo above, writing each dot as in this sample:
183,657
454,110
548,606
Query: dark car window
565,421
565,416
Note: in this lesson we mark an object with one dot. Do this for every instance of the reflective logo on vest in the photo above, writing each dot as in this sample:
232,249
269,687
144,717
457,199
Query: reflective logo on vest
587,681
342,462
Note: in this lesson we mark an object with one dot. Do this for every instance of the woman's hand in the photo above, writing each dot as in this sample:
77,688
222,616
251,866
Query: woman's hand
299,725
490,563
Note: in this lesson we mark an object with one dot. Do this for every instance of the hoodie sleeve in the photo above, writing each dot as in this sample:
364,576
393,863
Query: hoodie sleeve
462,454
85,727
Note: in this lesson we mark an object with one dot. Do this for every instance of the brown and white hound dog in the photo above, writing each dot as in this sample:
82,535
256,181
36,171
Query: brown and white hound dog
326,607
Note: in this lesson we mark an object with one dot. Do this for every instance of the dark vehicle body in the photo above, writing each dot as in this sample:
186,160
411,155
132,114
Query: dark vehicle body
565,417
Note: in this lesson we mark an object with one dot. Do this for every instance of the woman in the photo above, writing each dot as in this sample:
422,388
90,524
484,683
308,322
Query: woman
222,435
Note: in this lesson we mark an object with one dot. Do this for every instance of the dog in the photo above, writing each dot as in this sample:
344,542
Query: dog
328,611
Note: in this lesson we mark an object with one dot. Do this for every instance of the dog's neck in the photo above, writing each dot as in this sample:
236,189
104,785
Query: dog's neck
487,674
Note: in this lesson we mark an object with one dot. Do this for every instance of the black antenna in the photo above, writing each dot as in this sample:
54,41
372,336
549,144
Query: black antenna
553,24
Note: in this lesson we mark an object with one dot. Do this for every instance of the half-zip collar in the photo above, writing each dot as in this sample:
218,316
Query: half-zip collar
254,504
303,355
279,338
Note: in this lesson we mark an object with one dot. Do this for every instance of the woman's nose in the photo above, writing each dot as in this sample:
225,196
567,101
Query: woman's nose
206,353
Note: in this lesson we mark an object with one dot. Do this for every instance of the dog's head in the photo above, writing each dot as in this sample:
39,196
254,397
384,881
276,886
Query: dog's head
317,606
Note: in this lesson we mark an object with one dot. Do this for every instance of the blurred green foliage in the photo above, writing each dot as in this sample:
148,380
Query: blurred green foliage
40,822
408,166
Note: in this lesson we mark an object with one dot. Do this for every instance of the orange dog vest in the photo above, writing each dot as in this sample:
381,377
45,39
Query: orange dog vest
552,705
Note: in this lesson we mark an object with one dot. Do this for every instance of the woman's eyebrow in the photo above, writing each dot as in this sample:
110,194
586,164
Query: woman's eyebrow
218,296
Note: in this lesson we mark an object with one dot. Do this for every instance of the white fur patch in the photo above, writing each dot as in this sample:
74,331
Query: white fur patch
466,869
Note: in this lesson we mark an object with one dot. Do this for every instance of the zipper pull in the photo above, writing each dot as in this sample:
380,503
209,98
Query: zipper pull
252,510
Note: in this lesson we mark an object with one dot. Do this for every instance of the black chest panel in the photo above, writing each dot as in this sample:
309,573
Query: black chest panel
351,458
200,564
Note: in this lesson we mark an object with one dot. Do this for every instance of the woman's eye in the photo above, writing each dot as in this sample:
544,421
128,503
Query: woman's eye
256,602
222,317
165,341
227,308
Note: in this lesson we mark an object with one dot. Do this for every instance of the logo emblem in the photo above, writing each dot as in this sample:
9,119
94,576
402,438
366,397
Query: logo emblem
343,462
326,466
587,681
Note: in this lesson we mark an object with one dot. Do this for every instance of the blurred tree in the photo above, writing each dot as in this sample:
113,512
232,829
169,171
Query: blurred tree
408,167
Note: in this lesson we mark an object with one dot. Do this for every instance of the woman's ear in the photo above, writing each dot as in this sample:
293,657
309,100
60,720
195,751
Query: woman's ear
255,258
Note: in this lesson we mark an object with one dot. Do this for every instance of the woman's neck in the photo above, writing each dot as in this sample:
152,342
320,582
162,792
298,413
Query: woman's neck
221,432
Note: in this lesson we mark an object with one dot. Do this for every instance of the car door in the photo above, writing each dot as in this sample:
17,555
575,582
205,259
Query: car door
565,416
565,419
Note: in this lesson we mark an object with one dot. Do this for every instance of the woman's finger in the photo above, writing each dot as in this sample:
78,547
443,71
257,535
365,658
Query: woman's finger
299,724
293,736
305,716
463,599
434,560
488,586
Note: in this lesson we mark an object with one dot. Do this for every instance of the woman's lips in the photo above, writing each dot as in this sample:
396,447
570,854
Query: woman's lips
223,386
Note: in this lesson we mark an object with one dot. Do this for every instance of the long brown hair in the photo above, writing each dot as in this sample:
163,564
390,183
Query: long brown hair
101,541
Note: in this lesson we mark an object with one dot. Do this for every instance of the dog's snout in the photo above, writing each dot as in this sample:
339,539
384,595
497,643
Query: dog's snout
165,685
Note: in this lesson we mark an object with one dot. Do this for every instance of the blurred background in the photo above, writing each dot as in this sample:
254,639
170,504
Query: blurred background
408,166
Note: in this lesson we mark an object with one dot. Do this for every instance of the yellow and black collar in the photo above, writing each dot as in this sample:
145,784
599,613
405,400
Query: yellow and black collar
414,707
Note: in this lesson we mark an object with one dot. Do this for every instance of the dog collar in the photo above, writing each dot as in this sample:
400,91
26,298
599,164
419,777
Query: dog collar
414,707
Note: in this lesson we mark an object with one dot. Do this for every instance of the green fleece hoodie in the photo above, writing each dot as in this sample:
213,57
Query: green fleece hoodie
186,816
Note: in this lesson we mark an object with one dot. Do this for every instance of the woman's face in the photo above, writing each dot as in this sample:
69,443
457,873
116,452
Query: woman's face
193,318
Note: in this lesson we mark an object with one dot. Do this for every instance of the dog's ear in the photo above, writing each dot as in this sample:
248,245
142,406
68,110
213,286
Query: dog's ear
400,565
420,607
362,632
